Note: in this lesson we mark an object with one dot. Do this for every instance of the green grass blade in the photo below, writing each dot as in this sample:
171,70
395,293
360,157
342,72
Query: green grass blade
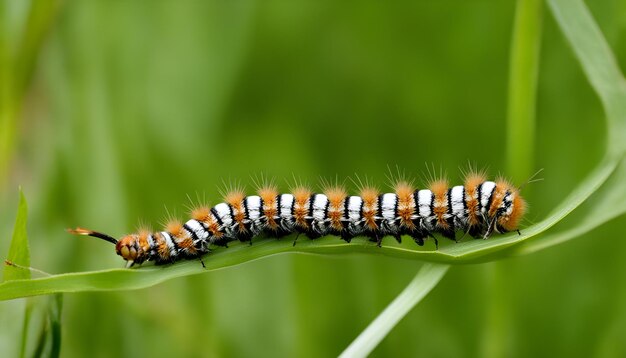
17,64
607,204
40,19
49,339
427,278
484,250
28,313
598,63
55,307
523,89
127,279
19,251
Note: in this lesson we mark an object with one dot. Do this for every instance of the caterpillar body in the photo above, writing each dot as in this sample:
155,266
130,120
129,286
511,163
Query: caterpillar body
478,208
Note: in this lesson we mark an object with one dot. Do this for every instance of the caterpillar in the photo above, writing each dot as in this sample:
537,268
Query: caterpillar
478,208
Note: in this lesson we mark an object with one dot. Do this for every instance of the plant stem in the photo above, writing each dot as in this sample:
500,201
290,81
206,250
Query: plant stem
523,69
520,146
427,278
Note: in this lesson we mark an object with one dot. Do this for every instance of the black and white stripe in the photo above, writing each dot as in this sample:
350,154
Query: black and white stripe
223,211
320,220
171,245
254,212
486,194
425,199
388,208
355,215
285,212
458,207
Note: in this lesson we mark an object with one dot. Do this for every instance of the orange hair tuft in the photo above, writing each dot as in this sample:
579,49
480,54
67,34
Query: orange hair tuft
404,190
235,197
369,194
335,195
268,193
200,213
519,209
175,228
301,193
475,178
439,187
511,221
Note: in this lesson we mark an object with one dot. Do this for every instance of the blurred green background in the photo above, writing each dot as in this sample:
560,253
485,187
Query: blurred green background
131,106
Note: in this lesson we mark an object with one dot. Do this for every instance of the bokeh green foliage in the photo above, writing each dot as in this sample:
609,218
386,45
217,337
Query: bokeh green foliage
133,107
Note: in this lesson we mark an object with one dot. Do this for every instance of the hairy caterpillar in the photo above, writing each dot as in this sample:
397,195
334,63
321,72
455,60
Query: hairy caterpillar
479,207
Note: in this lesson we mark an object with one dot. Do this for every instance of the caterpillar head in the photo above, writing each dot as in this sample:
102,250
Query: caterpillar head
128,247
511,209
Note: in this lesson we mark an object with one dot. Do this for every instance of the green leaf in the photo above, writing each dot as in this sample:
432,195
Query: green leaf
49,339
425,280
17,268
19,252
483,251
608,203
28,313
598,63
55,306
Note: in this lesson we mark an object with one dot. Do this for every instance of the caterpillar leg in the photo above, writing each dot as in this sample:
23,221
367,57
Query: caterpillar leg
296,239
375,236
418,238
490,228
448,233
475,231
465,232
346,237
220,242
277,233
